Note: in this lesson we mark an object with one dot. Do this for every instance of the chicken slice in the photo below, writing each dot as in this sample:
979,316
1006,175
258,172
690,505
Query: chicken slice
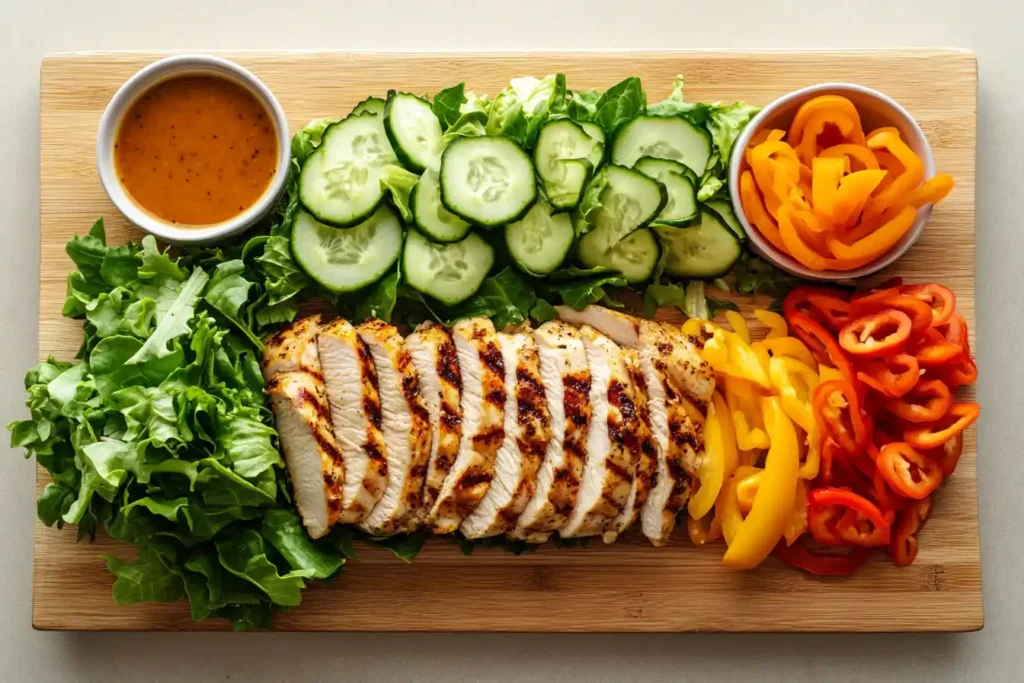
527,432
351,381
691,373
675,437
621,328
437,364
310,451
293,348
642,447
406,428
566,379
483,423
608,468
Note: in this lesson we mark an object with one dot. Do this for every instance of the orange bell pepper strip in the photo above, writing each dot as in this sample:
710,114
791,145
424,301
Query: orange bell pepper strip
799,250
850,153
887,162
761,136
826,174
911,177
931,191
776,494
853,194
755,210
878,242
814,106
775,323
848,127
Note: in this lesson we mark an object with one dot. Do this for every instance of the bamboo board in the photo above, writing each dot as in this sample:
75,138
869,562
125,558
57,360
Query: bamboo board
629,586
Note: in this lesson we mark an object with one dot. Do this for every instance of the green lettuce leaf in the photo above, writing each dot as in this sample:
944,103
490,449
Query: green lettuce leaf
147,579
726,124
283,530
245,556
447,105
308,139
521,109
398,182
620,103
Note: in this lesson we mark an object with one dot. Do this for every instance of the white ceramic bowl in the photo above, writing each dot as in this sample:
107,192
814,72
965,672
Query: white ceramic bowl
156,72
876,110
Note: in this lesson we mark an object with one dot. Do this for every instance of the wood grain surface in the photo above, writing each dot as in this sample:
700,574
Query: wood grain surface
629,586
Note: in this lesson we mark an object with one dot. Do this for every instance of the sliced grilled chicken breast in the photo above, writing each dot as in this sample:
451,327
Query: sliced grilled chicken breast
483,423
608,468
566,380
437,364
693,376
527,431
351,381
310,452
293,348
676,439
621,328
406,429
642,447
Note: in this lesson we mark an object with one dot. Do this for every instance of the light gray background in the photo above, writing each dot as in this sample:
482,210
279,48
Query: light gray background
29,29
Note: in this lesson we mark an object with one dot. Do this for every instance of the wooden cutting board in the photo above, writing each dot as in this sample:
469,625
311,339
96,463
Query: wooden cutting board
629,586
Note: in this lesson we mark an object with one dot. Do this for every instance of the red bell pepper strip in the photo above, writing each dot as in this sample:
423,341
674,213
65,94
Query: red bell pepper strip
883,333
948,455
959,417
911,408
837,411
860,521
933,350
892,377
821,564
903,544
909,473
826,306
919,312
940,299
821,343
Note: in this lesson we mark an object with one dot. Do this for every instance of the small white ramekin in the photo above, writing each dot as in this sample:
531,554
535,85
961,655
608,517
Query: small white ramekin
876,110
149,76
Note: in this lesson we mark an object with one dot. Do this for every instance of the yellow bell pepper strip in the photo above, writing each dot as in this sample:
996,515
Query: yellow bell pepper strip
798,522
814,106
799,250
741,398
776,494
853,194
811,464
827,373
711,468
795,384
705,530
878,242
727,509
755,211
826,172
775,323
850,153
913,170
739,325
727,353
695,414
749,458
790,347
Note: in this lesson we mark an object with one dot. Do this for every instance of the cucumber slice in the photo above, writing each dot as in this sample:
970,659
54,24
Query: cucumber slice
629,202
664,137
487,180
347,259
562,157
705,250
413,130
340,181
596,133
723,207
450,273
540,241
635,257
681,207
371,105
429,214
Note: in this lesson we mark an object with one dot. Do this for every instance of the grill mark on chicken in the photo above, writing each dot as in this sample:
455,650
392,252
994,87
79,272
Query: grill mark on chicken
490,438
